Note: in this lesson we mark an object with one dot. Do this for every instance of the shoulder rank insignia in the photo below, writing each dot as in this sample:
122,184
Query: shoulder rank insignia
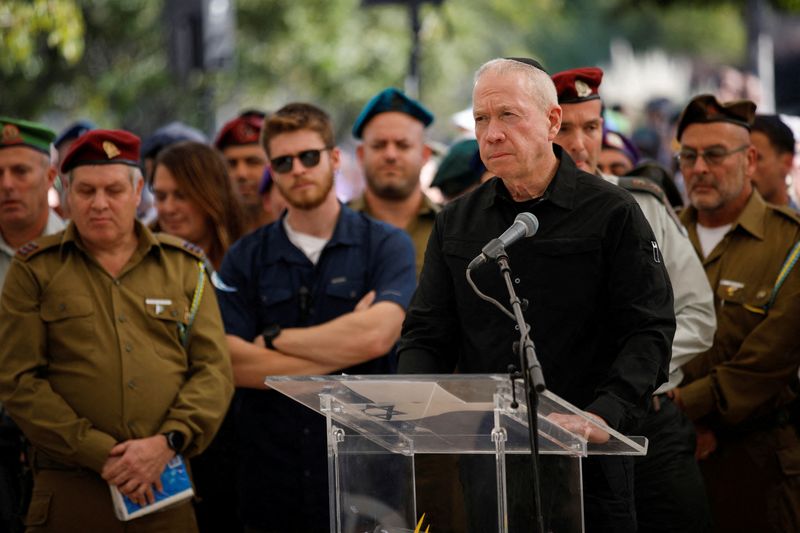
193,249
27,249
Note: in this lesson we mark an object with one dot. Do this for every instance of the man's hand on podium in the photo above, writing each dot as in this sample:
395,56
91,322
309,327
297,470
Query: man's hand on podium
580,426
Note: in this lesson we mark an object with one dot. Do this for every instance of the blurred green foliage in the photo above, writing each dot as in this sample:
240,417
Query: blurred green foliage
107,59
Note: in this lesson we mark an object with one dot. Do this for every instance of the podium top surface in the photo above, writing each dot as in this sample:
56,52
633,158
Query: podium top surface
454,413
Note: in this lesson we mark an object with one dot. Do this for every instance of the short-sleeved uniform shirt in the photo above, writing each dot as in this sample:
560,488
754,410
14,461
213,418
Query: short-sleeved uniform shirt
282,443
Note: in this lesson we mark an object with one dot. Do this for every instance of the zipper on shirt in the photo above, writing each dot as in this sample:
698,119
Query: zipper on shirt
656,255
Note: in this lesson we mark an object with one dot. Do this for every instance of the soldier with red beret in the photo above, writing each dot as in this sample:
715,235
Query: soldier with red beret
668,486
113,357
239,142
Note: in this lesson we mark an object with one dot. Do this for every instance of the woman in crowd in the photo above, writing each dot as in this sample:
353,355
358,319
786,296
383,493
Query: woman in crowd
194,198
195,201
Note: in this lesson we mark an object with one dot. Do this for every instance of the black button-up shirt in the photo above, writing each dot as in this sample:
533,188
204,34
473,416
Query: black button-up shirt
599,298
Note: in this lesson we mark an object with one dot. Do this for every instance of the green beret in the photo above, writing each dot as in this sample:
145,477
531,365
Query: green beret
15,132
460,168
706,108
391,99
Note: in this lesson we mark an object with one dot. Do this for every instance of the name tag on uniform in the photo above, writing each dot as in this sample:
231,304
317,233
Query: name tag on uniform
159,303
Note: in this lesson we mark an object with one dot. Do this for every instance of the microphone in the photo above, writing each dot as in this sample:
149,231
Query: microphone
525,225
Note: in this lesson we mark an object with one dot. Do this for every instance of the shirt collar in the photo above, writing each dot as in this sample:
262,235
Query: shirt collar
345,233
427,209
147,241
751,219
560,191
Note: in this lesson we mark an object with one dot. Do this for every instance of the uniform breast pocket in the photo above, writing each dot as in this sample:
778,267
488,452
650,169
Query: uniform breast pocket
70,322
167,317
742,306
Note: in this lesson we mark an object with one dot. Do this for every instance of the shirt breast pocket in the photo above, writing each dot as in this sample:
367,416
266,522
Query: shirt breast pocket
70,322
347,291
565,273
278,305
168,319
742,307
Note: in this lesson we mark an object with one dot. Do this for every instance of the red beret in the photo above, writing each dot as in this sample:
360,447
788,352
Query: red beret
244,129
103,147
578,85
706,108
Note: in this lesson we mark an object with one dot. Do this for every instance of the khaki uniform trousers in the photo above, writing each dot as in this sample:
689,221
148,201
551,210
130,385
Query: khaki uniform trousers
79,501
753,481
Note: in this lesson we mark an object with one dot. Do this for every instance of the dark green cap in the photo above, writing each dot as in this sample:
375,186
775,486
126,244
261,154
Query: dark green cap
460,168
15,132
391,99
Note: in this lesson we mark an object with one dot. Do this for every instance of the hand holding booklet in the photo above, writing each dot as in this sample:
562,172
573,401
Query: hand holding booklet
177,488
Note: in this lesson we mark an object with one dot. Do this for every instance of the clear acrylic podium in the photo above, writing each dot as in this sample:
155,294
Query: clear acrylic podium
378,425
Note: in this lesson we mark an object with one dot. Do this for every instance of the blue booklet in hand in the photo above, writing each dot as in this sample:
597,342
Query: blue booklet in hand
177,488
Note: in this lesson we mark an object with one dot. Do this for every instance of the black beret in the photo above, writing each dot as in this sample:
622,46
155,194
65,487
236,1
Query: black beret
460,168
706,108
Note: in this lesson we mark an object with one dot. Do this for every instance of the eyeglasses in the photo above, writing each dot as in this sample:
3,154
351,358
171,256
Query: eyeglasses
308,158
713,156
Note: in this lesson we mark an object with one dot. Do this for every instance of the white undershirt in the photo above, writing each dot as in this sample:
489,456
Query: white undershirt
711,237
310,245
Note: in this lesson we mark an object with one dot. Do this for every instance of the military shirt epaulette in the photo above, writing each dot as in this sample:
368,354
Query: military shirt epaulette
788,212
635,184
177,242
32,248
632,183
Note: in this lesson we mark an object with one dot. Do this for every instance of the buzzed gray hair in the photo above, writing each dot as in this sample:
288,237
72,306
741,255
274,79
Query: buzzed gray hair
541,87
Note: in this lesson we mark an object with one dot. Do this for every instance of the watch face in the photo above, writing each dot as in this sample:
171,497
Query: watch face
272,331
175,440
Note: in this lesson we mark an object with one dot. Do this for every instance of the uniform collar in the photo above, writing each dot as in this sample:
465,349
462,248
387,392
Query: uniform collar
427,209
560,191
751,219
54,225
147,241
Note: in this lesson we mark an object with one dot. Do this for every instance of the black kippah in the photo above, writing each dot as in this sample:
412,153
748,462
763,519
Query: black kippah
528,61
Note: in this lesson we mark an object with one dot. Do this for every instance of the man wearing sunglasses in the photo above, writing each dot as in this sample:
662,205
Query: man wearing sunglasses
737,392
668,485
392,154
321,290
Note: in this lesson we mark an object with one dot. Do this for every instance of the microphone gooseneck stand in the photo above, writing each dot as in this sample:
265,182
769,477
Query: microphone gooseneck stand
533,378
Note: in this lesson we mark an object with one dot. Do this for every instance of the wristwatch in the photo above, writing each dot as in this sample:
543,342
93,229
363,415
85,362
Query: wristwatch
270,334
175,440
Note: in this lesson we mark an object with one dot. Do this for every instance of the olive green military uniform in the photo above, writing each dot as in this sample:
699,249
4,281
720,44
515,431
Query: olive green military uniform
740,387
88,360
419,229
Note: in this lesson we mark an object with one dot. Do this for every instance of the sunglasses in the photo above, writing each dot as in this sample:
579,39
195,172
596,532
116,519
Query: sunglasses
308,158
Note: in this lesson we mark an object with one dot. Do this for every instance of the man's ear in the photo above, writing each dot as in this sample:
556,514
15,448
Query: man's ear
787,161
554,116
427,152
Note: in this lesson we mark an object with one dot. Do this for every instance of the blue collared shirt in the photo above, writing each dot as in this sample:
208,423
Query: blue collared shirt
267,280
